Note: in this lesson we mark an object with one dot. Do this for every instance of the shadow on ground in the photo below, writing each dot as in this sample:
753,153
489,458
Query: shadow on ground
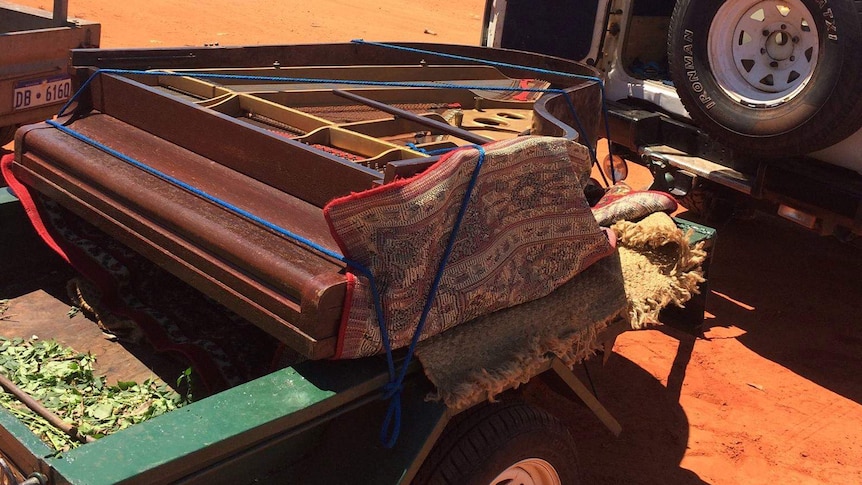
648,412
794,298
796,295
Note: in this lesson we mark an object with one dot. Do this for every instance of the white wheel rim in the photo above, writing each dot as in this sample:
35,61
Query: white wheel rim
763,53
532,471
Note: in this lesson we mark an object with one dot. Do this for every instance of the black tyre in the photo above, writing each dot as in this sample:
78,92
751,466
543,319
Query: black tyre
769,78
7,134
502,443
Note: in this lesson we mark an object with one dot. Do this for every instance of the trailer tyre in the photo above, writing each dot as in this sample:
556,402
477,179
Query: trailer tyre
502,443
769,77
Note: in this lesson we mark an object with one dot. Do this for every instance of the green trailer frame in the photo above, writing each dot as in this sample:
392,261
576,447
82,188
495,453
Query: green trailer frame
278,427
314,422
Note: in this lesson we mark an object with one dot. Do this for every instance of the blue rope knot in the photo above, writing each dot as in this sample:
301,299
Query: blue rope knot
392,389
391,427
413,147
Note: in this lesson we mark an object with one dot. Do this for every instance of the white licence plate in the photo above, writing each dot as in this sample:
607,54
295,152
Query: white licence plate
38,92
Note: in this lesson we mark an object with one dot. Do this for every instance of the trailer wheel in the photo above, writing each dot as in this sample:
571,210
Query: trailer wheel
502,443
769,77
7,134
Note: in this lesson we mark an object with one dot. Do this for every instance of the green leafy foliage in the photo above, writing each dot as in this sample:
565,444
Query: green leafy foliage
4,307
63,381
73,311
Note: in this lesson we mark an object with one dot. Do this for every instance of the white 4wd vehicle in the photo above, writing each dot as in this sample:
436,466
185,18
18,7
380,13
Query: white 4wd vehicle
760,96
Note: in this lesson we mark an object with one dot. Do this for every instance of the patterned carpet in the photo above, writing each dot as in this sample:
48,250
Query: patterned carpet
527,230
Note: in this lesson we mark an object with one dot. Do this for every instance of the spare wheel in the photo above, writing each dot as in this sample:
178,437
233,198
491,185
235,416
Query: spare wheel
769,77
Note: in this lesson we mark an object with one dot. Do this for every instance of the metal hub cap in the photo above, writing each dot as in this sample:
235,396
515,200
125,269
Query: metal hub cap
762,53
532,471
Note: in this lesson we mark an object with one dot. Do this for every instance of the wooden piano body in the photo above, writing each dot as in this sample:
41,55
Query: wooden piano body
279,150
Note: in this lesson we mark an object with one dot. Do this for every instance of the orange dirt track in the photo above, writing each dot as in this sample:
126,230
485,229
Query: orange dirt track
771,394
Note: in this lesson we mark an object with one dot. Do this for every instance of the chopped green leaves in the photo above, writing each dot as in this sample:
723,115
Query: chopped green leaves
63,381
4,307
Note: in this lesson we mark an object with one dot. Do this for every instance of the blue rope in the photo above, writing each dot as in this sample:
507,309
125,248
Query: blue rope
441,151
476,59
438,151
393,413
277,79
391,427
415,148
600,82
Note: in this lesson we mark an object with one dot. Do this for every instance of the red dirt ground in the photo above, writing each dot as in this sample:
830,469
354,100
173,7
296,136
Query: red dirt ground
772,393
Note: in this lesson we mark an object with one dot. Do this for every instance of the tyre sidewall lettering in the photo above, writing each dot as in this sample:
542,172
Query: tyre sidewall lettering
691,71
829,22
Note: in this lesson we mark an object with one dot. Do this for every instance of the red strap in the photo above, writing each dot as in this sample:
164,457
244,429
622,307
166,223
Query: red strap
29,205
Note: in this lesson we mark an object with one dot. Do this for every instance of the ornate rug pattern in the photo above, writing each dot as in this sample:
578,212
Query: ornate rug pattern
527,230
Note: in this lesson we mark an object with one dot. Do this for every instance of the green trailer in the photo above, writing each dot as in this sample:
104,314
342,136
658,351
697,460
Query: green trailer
281,130
315,422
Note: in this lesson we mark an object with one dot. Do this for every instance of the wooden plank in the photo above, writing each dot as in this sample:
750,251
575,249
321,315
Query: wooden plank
586,396
45,316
